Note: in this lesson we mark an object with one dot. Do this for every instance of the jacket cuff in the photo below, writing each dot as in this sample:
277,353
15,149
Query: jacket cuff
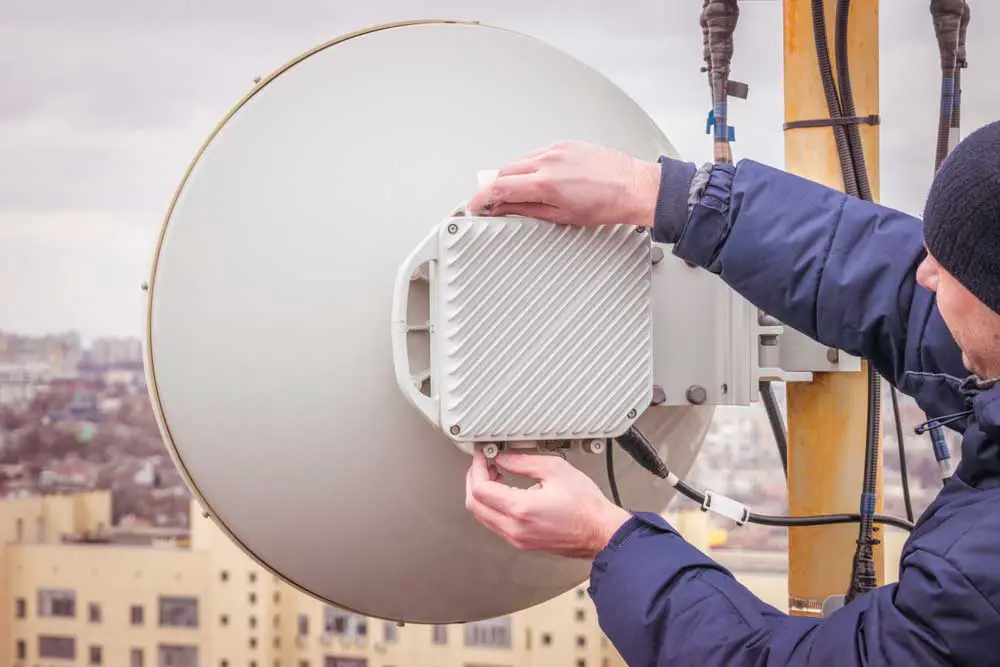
671,211
703,236
641,523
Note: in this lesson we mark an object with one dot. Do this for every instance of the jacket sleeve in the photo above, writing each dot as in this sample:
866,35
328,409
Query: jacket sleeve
838,269
662,602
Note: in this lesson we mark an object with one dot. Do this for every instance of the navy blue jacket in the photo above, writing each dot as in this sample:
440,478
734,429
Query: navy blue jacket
842,271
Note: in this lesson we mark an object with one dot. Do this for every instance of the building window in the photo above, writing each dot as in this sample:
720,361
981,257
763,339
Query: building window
224,619
136,658
361,626
440,634
20,530
277,597
60,648
94,612
277,642
96,655
494,632
224,575
253,577
334,661
581,593
57,602
580,662
40,530
21,608
303,625
253,598
253,621
177,655
580,614
390,632
581,641
178,612
303,663
546,639
253,642
223,663
22,649
136,612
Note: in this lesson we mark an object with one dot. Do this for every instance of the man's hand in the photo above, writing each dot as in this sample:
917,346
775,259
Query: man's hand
577,183
565,513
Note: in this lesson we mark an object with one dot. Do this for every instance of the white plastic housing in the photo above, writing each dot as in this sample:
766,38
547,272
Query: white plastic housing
539,331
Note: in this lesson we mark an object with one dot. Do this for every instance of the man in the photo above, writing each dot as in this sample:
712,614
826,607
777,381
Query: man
922,302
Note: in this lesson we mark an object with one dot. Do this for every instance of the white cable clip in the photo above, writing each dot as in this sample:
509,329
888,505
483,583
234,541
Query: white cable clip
726,507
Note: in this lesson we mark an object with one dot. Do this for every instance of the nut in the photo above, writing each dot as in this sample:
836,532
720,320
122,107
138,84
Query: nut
490,450
696,394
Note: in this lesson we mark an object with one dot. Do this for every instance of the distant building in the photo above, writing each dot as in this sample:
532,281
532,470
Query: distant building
20,382
116,352
60,352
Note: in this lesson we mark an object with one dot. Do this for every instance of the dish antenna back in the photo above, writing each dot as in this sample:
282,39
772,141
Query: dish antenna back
311,425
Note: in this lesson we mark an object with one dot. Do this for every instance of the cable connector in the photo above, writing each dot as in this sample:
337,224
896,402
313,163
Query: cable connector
727,507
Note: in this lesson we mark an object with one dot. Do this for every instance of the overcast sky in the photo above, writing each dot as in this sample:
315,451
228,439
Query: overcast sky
104,104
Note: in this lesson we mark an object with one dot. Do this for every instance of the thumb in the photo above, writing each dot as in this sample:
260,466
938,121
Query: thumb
534,466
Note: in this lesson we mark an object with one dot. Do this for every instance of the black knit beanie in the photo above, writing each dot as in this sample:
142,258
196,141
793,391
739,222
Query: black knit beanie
962,214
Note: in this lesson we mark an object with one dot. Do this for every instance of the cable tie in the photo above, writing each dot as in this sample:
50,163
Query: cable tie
727,507
872,119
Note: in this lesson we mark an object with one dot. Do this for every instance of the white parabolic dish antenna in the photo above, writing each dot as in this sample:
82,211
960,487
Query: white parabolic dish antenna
269,356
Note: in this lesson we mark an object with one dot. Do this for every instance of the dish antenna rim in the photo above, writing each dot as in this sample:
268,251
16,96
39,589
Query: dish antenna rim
149,366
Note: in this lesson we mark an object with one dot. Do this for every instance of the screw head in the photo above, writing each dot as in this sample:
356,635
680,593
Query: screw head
696,394
833,355
453,228
656,254
145,286
490,450
455,430
659,396
632,413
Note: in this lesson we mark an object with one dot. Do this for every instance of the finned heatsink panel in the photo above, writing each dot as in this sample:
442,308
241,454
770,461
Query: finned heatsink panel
543,331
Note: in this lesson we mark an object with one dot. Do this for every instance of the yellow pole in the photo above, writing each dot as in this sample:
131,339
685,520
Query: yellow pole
827,418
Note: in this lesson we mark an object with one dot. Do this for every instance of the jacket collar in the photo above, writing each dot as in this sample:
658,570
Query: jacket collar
980,464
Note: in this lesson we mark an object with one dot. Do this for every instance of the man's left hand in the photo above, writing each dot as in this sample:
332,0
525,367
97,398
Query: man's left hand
565,513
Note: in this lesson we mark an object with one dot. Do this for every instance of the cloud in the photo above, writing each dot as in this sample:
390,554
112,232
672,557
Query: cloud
106,102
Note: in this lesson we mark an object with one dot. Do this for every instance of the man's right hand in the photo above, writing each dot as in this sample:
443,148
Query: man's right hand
574,182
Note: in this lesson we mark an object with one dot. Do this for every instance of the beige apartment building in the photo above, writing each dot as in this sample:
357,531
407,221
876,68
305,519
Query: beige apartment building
77,591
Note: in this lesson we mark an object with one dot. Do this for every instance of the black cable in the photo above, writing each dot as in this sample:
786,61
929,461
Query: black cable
832,99
904,475
777,425
798,521
857,153
612,482
639,447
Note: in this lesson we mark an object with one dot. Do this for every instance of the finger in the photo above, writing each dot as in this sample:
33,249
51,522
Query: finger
530,188
545,212
495,495
539,467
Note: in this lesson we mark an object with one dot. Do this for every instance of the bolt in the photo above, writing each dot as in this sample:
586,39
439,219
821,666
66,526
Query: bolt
833,355
725,388
640,230
453,228
594,446
145,286
490,450
659,396
455,430
696,394
656,254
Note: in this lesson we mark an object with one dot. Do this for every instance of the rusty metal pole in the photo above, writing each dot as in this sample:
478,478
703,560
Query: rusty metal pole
827,418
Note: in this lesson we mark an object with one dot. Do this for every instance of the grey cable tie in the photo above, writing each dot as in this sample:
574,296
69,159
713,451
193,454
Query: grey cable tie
873,119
